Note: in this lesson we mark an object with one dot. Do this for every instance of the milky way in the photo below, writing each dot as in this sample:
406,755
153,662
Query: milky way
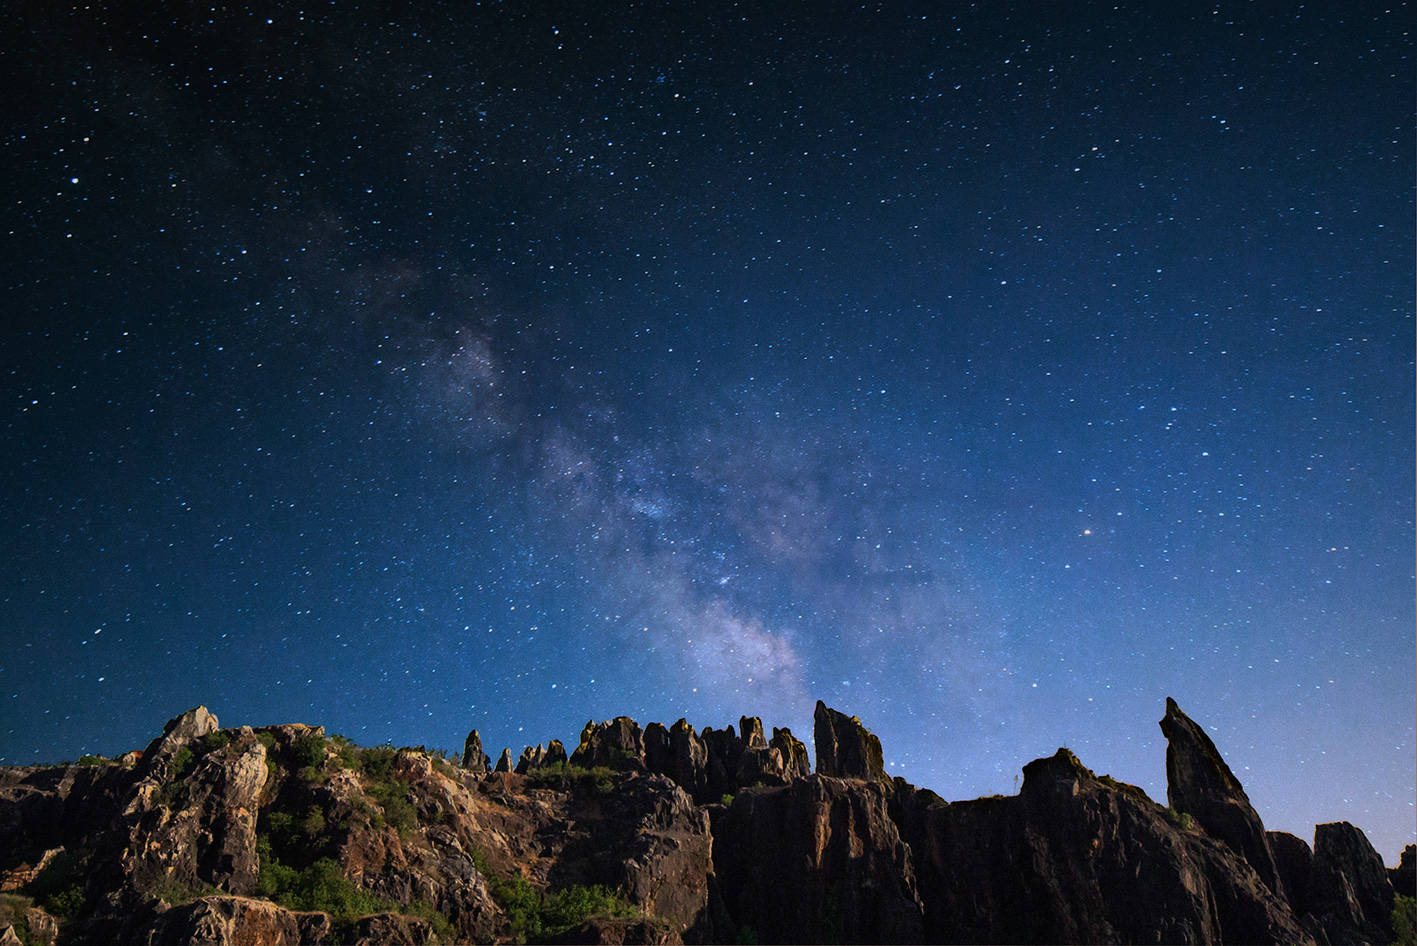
992,373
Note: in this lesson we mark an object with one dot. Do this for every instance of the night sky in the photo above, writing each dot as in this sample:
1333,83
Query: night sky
989,371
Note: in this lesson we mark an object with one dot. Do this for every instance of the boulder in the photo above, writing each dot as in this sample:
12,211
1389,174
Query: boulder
845,748
604,931
392,929
688,761
473,758
1199,783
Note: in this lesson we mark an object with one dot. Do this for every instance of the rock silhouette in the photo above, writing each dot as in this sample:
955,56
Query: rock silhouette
653,835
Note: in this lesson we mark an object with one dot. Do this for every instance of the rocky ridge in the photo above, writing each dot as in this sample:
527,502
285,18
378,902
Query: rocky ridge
654,834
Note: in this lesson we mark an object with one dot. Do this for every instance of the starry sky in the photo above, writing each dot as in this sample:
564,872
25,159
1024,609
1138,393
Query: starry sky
989,371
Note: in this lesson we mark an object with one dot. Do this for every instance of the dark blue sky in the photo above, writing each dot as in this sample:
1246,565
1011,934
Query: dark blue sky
989,371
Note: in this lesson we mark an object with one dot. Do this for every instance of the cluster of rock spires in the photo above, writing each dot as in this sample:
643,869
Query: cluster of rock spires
280,835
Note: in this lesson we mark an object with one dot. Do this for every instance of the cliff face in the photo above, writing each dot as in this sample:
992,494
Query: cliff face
651,835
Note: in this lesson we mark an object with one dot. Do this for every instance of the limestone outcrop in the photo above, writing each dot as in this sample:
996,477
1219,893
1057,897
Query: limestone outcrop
658,834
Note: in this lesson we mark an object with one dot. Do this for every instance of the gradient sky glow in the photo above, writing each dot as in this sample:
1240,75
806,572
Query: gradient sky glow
991,372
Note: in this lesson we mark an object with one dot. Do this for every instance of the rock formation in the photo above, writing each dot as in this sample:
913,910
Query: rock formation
1074,858
1404,875
472,755
1349,889
1199,783
616,744
793,752
817,861
283,835
845,748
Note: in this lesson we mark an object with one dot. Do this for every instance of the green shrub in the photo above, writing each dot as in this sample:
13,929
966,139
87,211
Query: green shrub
596,781
295,839
89,760
320,886
377,763
726,800
534,917
174,892
59,887
1181,819
67,903
399,812
266,739
217,740
308,751
566,908
1404,921
274,877
180,762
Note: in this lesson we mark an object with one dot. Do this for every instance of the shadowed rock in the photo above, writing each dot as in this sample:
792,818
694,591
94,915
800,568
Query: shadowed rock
1199,783
817,861
723,749
1074,858
504,761
1295,861
1349,890
845,748
1404,875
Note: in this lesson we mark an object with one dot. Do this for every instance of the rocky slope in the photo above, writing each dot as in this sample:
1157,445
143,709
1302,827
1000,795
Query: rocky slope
653,835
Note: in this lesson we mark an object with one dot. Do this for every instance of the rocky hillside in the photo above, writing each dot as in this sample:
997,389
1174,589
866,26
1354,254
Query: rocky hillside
656,835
